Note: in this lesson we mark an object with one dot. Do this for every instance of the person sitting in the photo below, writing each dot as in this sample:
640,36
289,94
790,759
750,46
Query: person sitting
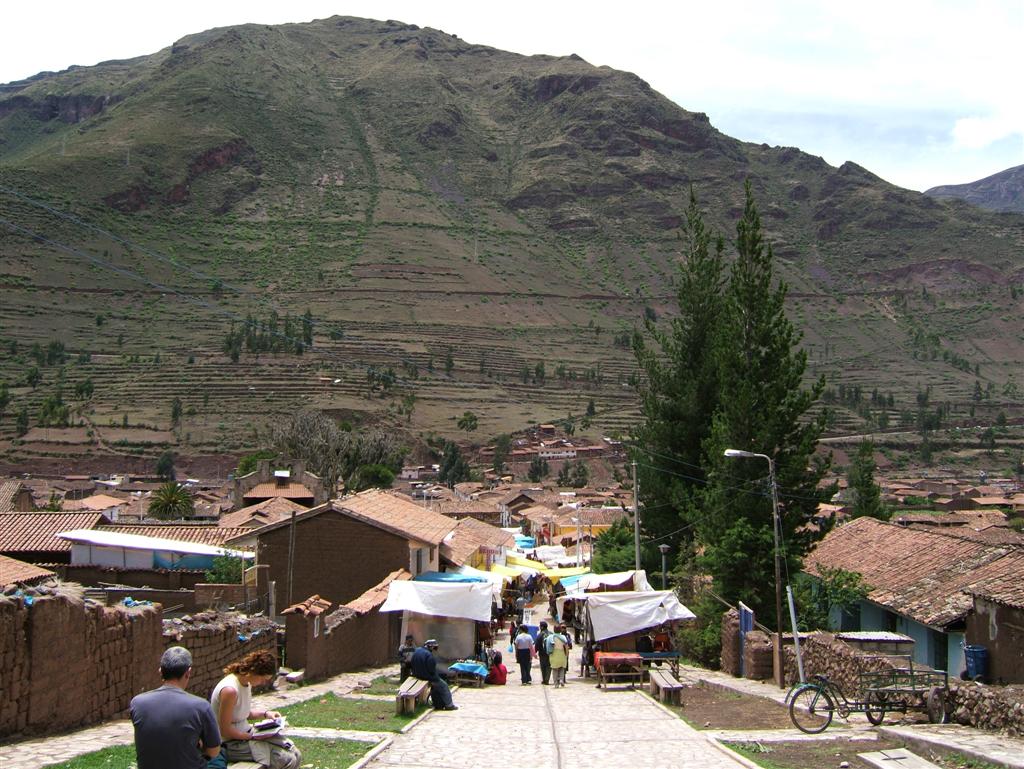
424,667
498,674
405,652
232,704
644,644
663,640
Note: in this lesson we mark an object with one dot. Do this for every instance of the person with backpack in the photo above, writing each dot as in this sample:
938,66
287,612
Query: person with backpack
542,654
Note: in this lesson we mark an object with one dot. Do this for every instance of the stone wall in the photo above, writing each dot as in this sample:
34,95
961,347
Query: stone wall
758,656
66,662
216,639
998,708
159,579
326,645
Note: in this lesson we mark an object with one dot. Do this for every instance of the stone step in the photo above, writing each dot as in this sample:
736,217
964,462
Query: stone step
897,758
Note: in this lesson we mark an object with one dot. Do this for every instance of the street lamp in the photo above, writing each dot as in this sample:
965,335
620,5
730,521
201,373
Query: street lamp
664,570
780,675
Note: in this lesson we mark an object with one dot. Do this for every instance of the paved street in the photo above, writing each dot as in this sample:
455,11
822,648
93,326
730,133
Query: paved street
538,727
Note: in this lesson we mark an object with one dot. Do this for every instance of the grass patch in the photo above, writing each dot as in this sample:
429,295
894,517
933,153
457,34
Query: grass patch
333,712
316,754
382,685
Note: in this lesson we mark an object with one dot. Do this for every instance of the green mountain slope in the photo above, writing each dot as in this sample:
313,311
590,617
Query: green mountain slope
424,197
1003,191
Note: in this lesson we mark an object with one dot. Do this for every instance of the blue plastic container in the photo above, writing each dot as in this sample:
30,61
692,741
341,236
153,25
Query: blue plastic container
977,661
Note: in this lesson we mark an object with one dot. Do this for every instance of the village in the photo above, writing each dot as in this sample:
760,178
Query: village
331,582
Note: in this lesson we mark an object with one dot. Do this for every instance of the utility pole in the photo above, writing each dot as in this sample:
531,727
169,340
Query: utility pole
636,518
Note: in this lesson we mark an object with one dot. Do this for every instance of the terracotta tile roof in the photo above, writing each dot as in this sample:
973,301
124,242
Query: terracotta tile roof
595,516
13,571
291,490
397,514
376,595
469,536
203,535
919,574
1001,581
36,532
462,507
8,493
311,607
97,502
269,511
538,513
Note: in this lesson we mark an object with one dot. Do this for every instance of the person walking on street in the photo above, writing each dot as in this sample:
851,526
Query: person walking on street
424,667
405,652
558,653
520,608
525,650
542,654
174,729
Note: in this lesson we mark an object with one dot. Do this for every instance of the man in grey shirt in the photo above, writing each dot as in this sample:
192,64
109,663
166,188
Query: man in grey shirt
174,729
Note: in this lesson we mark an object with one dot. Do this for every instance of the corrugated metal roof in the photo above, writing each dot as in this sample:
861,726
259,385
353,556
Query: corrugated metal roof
879,636
36,532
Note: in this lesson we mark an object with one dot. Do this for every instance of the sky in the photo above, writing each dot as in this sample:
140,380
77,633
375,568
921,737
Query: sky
919,92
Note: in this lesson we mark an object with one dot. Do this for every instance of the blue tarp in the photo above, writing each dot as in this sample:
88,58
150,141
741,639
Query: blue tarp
523,541
446,576
568,582
469,667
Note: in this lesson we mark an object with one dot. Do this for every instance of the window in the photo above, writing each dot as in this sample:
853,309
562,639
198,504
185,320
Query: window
419,561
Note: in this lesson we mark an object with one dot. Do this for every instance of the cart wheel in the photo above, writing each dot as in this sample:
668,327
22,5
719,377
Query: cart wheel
936,705
875,707
811,710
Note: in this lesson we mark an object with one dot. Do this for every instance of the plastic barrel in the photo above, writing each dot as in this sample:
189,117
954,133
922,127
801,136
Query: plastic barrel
977,661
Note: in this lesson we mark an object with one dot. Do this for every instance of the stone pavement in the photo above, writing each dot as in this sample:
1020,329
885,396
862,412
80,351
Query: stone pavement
33,754
539,727
983,746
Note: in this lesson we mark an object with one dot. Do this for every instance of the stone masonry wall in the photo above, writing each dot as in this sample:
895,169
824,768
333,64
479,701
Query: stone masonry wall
216,639
730,659
66,662
997,708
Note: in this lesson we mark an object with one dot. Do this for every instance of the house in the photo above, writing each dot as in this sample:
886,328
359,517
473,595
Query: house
15,572
105,548
262,513
33,537
112,507
293,483
997,619
477,544
15,497
343,547
488,512
916,580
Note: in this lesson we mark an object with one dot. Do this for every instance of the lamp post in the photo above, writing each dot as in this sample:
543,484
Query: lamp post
780,676
664,569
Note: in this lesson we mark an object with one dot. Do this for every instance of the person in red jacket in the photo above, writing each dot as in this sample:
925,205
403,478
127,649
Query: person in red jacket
498,674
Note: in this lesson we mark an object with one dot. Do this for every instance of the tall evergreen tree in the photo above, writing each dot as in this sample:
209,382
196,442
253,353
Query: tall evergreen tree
763,408
867,496
679,390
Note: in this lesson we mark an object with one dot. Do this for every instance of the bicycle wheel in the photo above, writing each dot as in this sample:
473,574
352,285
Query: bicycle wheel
811,710
874,707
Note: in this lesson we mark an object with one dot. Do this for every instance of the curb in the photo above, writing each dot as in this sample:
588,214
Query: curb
923,744
426,713
375,751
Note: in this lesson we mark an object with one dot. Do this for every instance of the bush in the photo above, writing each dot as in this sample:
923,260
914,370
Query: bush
701,639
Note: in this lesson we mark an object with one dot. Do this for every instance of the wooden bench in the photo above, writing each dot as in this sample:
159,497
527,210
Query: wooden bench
411,692
244,765
665,687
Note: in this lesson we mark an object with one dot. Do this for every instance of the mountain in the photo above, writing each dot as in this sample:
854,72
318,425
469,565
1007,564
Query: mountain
451,212
1003,191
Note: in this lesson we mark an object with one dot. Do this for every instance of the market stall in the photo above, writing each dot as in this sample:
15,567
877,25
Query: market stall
447,611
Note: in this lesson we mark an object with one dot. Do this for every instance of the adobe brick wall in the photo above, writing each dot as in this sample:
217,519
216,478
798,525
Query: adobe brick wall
346,642
758,656
66,662
216,639
1000,629
335,556
730,659
160,579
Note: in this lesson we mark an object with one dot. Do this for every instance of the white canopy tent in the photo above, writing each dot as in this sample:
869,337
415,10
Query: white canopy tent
621,612
637,579
466,600
497,580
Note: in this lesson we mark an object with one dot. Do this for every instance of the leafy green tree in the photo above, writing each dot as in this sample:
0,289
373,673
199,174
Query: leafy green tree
988,440
580,475
614,549
538,372
371,477
165,466
467,422
21,422
762,407
502,448
449,362
33,377
680,387
53,412
454,468
226,570
307,328
867,496
591,408
538,470
819,597
5,398
247,464
176,412
172,500
84,389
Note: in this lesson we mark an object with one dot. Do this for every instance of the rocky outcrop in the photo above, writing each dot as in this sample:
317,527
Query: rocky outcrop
70,108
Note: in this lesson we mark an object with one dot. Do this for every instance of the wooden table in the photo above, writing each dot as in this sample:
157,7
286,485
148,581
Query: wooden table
618,667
